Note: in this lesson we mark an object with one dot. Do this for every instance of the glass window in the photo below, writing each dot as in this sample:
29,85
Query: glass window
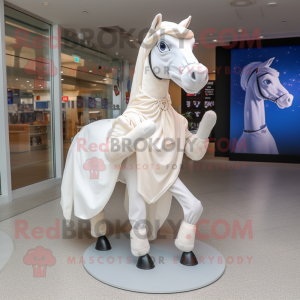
29,71
92,88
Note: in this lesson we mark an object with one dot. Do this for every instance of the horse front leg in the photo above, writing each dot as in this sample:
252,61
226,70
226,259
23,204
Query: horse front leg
196,145
98,230
122,144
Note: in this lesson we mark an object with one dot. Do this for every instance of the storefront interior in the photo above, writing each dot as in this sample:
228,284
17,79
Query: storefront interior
92,89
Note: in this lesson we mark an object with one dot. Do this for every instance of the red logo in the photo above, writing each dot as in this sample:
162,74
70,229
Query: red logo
94,165
40,68
65,98
39,258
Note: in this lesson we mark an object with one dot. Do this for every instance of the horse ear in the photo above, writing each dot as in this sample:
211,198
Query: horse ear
185,23
156,23
267,63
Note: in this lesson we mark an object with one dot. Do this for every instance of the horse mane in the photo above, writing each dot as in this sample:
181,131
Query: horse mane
247,71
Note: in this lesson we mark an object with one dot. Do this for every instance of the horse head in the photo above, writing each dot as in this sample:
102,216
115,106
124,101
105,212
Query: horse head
172,56
265,83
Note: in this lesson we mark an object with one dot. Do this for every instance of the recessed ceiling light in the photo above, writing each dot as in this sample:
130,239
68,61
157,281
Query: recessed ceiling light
272,3
211,34
46,3
196,43
90,71
27,80
61,79
240,30
241,3
117,53
17,79
262,36
131,40
61,71
215,41
104,79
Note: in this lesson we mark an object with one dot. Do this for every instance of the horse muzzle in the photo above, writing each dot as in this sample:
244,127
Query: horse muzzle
193,78
285,101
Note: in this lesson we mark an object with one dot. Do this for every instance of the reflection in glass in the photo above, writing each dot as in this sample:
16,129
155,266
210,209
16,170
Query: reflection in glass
92,89
29,72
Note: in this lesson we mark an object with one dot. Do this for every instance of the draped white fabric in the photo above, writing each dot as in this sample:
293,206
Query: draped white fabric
84,189
159,158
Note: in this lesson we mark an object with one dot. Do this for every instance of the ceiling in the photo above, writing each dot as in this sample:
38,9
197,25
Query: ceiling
138,14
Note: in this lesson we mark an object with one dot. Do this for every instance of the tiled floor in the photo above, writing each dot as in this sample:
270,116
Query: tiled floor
265,195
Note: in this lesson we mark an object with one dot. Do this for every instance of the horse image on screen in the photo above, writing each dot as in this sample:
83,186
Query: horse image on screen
260,82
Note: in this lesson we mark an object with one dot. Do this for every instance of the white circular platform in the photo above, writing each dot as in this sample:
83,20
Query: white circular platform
117,267
6,249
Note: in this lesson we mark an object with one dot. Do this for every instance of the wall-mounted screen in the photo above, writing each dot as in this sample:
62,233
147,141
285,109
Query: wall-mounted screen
265,102
196,105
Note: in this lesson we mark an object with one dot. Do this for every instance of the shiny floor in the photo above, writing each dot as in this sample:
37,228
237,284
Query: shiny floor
262,198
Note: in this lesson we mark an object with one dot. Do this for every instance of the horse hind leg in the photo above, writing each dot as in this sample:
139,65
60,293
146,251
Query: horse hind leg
137,214
98,230
192,209
185,242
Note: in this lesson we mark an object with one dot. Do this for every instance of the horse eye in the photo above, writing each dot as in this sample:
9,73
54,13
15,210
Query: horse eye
163,47
267,81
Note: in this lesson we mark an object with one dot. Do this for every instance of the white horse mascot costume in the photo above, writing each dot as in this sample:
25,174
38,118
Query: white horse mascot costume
143,148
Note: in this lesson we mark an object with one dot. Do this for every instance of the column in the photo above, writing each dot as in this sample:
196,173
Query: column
4,135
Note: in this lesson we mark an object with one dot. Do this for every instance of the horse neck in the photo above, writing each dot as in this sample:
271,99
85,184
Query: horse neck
153,87
254,111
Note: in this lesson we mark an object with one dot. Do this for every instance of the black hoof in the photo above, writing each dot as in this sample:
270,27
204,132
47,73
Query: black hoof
103,243
188,259
145,262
